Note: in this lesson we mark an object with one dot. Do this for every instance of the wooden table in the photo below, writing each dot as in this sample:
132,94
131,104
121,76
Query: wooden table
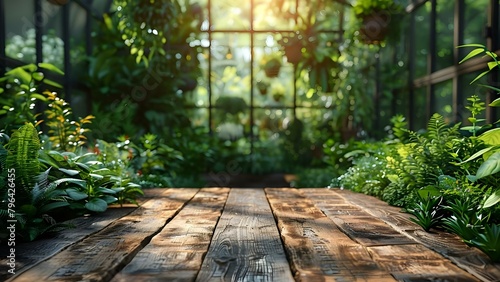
274,234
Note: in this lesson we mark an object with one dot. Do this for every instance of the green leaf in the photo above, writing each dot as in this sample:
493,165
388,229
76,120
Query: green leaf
79,182
478,154
52,83
76,195
39,97
472,53
38,76
51,67
490,166
96,205
492,200
479,76
70,172
472,45
429,191
491,65
52,206
491,137
106,190
109,199
495,103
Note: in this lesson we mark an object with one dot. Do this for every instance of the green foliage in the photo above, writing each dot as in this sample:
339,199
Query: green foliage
427,212
64,133
22,156
20,91
313,177
475,107
488,241
363,8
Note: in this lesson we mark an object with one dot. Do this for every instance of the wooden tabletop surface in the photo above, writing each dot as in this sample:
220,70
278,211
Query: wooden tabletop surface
272,234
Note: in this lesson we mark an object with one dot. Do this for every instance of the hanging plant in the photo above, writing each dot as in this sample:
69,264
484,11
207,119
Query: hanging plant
378,19
271,64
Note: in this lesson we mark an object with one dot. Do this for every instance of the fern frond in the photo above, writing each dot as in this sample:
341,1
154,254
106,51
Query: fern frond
23,149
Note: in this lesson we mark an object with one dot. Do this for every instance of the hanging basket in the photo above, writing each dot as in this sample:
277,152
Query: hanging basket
272,71
293,52
375,27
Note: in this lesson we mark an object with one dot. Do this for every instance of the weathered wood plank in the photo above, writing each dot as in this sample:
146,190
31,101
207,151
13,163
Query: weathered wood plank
246,245
100,256
176,253
29,253
448,245
317,249
417,263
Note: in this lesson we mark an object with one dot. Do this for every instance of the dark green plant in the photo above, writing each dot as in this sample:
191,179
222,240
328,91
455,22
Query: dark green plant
488,241
23,149
20,90
427,212
466,218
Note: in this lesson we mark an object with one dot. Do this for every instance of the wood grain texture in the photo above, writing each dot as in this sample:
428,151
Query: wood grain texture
176,253
317,249
29,253
448,245
246,245
100,256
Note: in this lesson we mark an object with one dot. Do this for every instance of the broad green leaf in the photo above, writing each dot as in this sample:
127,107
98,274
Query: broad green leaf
472,53
109,199
492,200
96,176
79,182
106,190
478,154
51,67
51,206
76,195
429,191
96,205
491,137
490,166
70,172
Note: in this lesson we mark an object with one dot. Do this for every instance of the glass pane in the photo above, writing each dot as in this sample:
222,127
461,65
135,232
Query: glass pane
420,104
53,44
231,67
271,121
444,30
198,117
78,16
270,14
20,36
272,73
229,14
475,20
421,39
443,97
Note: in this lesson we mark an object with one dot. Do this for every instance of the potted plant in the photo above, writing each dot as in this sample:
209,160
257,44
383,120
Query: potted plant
292,46
262,86
271,64
278,92
378,18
